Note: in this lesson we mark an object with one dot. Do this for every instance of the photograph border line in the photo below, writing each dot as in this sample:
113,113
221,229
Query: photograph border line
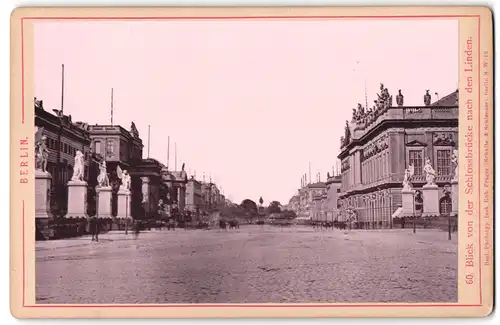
74,18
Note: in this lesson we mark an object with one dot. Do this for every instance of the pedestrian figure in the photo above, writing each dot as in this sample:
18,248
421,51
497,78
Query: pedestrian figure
136,230
403,222
94,228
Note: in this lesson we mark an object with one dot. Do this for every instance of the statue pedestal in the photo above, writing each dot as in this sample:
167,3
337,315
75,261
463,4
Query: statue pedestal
124,205
77,199
43,181
430,196
408,199
454,198
104,202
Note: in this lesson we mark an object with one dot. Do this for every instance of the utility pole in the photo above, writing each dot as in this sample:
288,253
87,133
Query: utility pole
310,179
168,151
59,177
149,138
111,106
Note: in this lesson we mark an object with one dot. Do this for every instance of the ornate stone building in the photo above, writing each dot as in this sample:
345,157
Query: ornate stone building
379,144
123,148
64,138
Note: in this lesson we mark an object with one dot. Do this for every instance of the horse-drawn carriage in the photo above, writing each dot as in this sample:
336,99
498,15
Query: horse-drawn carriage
231,224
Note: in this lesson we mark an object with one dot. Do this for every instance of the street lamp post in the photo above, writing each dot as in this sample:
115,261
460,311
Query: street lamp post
449,226
126,215
390,209
414,221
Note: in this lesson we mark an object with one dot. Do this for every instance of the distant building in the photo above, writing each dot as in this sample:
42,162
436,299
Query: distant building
316,196
194,197
308,202
174,193
380,143
294,204
331,203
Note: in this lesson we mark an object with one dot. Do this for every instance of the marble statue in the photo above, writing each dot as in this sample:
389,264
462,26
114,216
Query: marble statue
384,100
78,169
454,161
400,98
347,133
430,173
125,177
102,178
408,174
41,150
427,98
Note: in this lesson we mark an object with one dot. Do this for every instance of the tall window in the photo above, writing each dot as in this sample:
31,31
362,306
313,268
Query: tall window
97,147
444,162
445,205
416,161
110,147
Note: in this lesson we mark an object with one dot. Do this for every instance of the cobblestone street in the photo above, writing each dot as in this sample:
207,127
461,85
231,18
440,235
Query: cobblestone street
251,265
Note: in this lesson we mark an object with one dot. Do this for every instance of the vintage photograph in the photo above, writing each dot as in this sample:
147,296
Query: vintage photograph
246,161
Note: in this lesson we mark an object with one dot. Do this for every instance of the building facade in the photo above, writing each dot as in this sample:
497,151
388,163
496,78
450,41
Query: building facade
120,148
316,196
194,197
331,203
380,143
174,190
64,138
149,172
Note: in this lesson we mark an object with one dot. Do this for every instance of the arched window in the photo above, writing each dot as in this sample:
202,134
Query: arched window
445,205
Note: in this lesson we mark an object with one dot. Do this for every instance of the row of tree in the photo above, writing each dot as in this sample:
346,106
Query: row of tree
248,209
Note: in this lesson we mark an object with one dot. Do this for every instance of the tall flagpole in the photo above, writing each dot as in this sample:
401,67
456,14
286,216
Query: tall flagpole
366,96
168,152
58,177
149,138
310,173
62,91
112,107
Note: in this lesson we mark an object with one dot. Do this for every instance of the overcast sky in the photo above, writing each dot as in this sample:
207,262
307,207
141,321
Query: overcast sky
250,103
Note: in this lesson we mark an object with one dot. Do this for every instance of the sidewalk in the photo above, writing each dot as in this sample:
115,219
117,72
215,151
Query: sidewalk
115,235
